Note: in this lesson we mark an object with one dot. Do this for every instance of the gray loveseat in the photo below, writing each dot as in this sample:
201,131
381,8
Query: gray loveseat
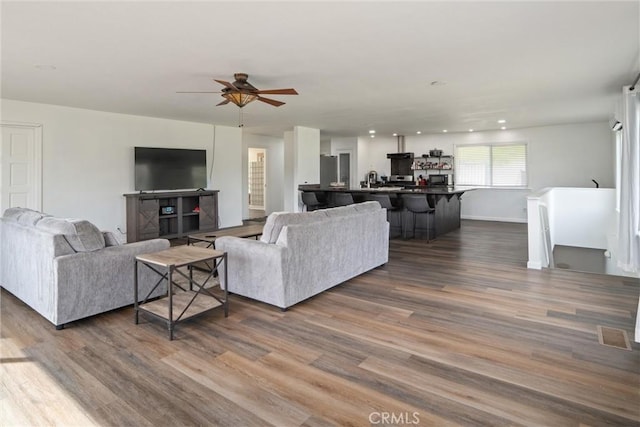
302,254
68,269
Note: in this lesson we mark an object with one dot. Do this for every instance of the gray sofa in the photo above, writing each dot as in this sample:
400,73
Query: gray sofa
302,254
68,269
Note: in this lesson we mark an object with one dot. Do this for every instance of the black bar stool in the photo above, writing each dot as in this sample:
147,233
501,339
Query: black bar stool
394,213
418,217
342,199
311,201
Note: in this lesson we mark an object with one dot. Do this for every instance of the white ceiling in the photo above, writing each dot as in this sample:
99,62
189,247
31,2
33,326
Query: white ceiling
356,65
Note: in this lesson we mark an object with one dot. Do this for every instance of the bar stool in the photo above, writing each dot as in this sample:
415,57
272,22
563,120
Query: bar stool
311,201
342,199
394,213
418,217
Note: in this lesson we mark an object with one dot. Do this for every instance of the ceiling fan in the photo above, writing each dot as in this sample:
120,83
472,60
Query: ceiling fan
241,92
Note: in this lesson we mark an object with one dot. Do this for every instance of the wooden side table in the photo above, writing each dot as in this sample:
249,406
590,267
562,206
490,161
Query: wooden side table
181,303
253,230
208,239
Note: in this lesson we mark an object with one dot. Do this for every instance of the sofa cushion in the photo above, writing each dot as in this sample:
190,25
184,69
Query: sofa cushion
24,216
81,234
12,214
341,211
368,206
31,218
277,220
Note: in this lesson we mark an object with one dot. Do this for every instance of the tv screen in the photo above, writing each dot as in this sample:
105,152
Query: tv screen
170,169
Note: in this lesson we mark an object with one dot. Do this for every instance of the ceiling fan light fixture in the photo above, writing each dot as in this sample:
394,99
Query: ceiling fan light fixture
240,98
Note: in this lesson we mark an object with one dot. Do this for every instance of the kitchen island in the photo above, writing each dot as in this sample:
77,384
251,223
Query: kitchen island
445,200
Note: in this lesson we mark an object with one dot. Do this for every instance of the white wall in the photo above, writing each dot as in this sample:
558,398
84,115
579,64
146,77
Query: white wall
582,217
325,148
228,175
288,195
559,156
301,164
88,157
308,155
373,155
274,156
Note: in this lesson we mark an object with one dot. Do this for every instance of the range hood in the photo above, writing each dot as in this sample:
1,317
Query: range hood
401,161
400,153
400,156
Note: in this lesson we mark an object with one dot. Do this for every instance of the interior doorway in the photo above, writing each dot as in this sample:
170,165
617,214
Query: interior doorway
345,166
257,182
21,166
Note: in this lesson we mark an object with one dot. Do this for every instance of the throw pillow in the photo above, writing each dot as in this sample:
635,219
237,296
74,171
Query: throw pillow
82,235
277,220
30,217
24,216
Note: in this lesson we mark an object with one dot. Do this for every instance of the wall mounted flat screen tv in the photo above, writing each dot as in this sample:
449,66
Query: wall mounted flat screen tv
170,169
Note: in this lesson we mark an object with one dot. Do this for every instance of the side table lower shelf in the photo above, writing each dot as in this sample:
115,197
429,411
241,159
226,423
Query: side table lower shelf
181,301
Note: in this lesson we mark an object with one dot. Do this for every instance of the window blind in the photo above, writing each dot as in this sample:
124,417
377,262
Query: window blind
491,165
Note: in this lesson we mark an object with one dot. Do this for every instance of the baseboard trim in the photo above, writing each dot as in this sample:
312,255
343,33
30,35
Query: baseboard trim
534,265
490,218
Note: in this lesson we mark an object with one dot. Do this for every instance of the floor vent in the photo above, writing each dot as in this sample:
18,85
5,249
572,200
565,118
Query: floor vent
613,337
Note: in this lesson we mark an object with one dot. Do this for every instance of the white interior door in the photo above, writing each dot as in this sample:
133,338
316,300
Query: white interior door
21,166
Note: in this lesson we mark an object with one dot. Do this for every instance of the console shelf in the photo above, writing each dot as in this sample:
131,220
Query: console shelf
145,220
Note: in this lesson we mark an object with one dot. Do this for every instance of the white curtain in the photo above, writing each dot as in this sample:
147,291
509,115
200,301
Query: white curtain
629,220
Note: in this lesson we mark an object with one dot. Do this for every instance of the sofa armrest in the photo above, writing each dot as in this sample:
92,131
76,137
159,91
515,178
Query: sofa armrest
255,269
110,239
94,282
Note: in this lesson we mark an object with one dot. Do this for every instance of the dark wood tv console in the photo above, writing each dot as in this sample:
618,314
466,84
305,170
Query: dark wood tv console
170,214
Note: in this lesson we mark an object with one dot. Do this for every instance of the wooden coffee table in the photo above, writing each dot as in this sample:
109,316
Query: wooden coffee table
181,303
253,230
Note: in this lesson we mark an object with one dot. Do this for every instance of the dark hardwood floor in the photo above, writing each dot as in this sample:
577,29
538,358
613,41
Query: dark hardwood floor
454,332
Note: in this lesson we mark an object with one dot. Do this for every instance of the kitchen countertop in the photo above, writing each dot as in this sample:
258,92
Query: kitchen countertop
401,190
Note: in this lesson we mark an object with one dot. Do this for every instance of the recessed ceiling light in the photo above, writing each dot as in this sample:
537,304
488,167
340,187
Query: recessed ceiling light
395,134
502,121
418,133
444,130
373,136
470,130
503,127
372,131
45,67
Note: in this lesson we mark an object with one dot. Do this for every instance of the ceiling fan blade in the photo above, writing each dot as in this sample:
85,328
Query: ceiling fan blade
271,101
226,101
198,92
279,91
227,84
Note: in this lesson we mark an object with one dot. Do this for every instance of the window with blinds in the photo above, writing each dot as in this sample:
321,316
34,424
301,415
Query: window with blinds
491,165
